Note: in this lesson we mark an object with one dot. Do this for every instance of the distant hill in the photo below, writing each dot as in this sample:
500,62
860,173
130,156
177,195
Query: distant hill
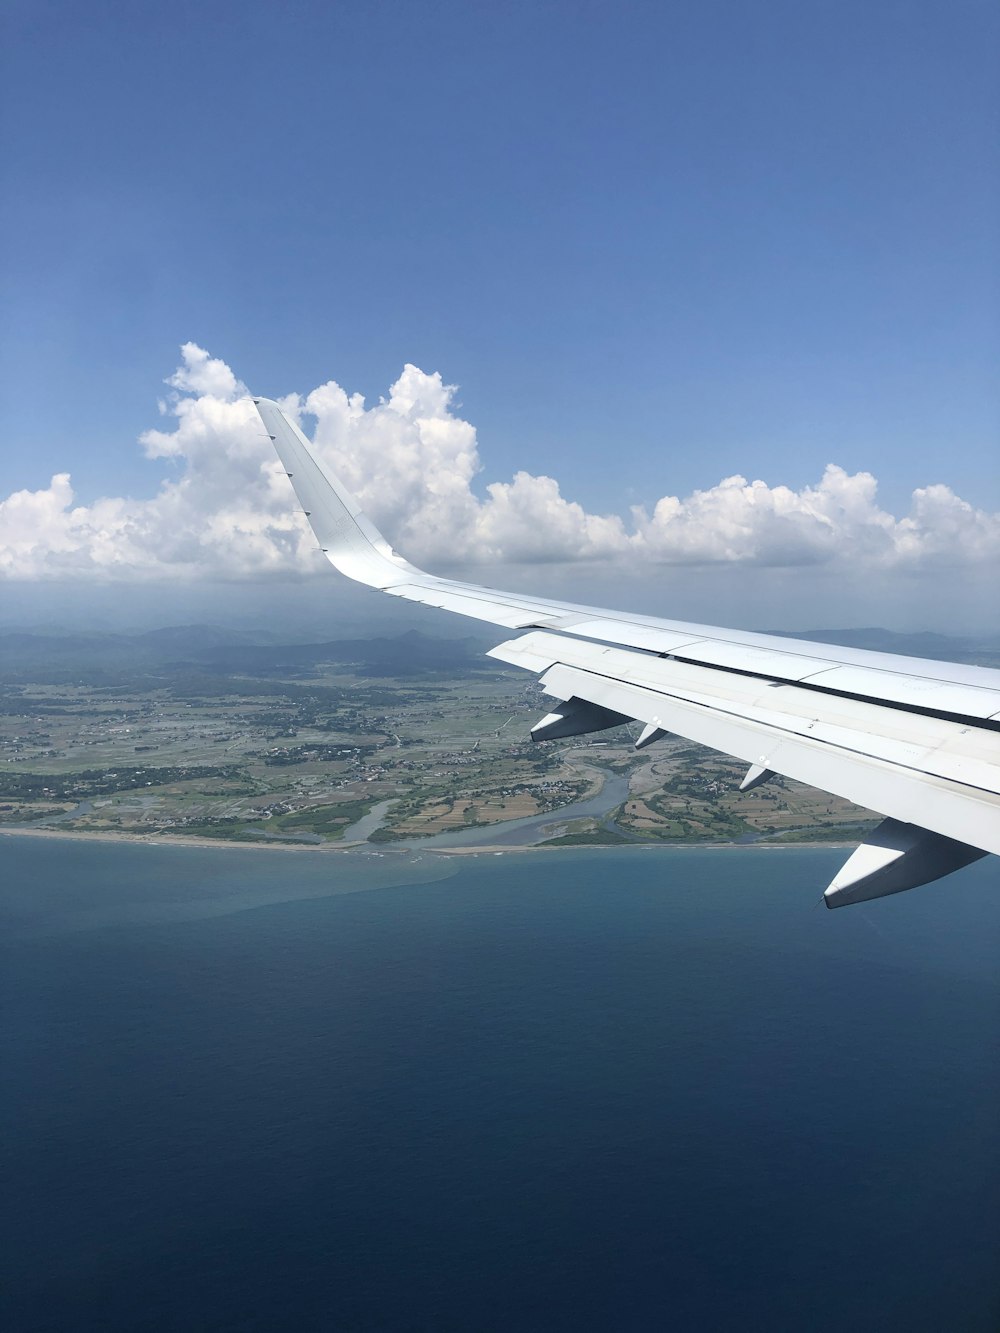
406,654
32,652
227,652
207,649
980,651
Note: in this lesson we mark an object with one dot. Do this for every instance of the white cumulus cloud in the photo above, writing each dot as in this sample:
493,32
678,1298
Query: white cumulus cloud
226,508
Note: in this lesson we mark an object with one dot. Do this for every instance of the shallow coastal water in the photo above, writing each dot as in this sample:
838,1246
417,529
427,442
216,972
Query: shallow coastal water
626,1088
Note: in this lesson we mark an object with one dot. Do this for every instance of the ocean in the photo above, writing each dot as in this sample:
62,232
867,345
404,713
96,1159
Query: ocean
613,1089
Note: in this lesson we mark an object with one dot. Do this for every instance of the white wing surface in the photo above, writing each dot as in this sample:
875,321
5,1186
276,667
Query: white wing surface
914,740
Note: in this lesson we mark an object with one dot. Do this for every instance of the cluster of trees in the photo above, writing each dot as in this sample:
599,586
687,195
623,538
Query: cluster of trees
98,782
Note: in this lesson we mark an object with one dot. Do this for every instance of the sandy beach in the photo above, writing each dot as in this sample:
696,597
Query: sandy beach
178,840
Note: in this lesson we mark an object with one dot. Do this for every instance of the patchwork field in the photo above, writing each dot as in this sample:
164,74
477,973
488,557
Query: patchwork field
300,743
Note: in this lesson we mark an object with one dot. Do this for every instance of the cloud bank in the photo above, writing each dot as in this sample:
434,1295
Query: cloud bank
227,510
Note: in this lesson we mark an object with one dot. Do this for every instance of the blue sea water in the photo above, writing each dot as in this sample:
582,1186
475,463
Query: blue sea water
612,1090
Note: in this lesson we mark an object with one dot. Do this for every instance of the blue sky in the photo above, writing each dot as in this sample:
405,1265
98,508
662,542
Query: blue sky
654,244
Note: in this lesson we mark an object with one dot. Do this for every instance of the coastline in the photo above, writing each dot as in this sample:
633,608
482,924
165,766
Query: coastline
485,849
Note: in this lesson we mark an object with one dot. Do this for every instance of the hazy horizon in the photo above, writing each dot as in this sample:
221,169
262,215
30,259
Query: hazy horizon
326,603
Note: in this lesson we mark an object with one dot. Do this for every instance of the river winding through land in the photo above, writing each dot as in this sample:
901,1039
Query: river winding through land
528,831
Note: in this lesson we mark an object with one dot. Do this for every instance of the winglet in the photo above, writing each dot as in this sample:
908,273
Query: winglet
350,540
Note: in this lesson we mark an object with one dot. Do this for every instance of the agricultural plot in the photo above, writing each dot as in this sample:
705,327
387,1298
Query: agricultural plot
266,749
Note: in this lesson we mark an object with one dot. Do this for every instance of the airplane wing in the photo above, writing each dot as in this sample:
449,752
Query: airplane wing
914,740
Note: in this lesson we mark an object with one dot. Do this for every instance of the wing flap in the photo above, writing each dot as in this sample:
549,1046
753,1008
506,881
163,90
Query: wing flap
906,794
937,746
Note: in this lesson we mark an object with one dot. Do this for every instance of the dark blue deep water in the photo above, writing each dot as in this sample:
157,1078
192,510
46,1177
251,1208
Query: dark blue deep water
612,1090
